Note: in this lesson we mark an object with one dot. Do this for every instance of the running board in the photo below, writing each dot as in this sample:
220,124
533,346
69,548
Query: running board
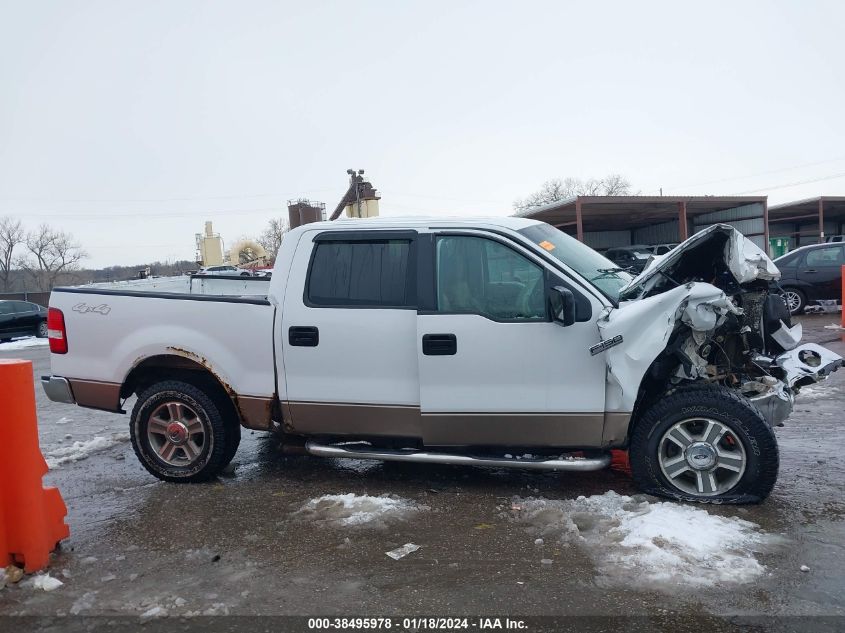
582,464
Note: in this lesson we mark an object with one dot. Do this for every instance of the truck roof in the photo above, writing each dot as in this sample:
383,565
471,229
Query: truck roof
406,222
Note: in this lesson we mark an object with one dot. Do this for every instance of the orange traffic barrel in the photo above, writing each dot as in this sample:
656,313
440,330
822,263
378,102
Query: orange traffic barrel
32,518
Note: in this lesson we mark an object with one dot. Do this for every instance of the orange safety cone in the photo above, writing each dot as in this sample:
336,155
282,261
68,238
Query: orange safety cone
31,517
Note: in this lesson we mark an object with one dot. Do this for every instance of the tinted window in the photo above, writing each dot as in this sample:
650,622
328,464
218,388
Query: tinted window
23,306
824,256
361,273
481,276
788,260
6,307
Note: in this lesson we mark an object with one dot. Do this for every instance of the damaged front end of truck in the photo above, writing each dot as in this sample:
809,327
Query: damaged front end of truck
710,311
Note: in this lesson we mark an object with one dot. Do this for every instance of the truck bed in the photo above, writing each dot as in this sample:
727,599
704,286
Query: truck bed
224,325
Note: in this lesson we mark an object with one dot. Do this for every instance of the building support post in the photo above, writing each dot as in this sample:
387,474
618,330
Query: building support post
683,227
821,220
766,223
579,220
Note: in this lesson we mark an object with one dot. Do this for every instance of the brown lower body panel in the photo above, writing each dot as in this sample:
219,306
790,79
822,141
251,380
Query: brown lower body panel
322,418
96,394
512,429
456,429
615,432
256,412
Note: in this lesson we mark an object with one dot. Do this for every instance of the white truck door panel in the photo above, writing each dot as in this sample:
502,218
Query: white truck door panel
359,375
512,376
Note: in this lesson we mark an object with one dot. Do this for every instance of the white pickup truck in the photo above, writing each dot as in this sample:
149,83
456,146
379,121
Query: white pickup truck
454,341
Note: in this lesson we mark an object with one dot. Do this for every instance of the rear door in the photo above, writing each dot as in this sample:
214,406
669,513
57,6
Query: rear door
348,337
822,270
494,368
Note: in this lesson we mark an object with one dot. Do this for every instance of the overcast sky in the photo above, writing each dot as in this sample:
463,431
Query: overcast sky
129,124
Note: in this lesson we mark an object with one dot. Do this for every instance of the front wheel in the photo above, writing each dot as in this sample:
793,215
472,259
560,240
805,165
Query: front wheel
179,432
704,443
795,300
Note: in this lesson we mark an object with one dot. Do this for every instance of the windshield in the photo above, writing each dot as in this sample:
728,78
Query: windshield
595,268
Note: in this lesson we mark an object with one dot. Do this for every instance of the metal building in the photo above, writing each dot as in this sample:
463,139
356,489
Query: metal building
605,222
808,221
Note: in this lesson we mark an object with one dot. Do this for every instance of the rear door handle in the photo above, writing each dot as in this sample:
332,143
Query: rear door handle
811,270
303,336
440,344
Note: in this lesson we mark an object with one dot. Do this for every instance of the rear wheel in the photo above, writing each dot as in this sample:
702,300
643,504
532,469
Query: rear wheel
707,444
180,433
41,332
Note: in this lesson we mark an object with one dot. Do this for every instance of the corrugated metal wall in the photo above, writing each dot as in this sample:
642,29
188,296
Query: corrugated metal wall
748,219
810,229
663,233
602,240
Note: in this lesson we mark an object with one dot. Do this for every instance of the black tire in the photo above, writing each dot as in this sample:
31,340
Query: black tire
41,332
799,300
214,454
726,407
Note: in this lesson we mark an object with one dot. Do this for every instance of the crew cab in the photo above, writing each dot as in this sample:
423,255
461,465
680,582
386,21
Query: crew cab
454,341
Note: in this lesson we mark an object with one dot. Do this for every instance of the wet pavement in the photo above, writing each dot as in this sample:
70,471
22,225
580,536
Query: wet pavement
238,545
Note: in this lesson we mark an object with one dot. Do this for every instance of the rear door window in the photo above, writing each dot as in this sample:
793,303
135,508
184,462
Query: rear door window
361,273
831,256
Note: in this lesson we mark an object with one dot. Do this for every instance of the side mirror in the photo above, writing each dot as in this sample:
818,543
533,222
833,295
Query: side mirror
563,305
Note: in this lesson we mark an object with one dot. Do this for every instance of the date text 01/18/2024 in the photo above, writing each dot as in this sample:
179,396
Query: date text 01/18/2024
417,624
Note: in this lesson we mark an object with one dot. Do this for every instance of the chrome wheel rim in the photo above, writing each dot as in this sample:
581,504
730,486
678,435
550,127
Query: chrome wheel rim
701,457
792,300
42,329
176,434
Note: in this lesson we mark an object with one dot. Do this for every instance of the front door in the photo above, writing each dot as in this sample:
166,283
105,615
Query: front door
7,318
494,368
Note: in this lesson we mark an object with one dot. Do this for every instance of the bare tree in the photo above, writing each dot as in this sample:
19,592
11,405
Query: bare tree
271,237
11,236
556,190
52,253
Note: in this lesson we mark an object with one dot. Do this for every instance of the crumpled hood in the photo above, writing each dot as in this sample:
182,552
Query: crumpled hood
743,258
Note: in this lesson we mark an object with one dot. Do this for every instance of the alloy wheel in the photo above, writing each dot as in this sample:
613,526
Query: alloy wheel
176,433
701,457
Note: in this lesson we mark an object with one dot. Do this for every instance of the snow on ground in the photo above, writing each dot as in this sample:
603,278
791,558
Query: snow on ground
82,450
662,544
351,510
23,343
819,390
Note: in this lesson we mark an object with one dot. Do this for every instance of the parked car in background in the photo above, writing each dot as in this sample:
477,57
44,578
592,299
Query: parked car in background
634,258
224,270
835,238
22,318
811,273
631,258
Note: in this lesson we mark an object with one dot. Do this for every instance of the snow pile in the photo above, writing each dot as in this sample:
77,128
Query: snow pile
82,450
812,392
662,544
46,582
357,510
24,343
